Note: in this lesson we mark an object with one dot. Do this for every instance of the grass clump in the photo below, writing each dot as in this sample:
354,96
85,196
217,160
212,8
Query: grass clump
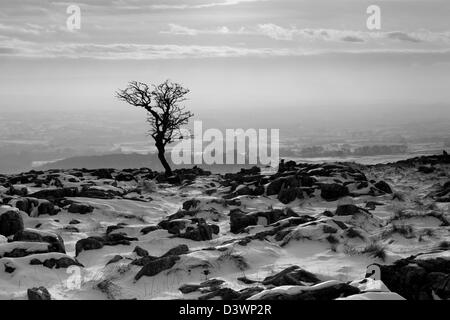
375,250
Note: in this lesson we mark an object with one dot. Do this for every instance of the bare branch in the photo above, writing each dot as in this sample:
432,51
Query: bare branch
163,102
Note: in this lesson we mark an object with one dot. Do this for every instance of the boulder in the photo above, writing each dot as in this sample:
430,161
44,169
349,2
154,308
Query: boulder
54,194
293,275
149,229
176,251
239,220
61,263
91,243
102,173
115,259
325,293
426,169
274,187
11,222
349,210
201,232
287,195
156,266
81,208
383,186
190,204
32,235
417,279
40,293
140,251
333,191
98,193
123,176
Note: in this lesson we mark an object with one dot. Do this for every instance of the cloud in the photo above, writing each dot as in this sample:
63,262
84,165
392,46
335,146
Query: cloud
181,30
402,36
293,33
276,32
201,6
131,51
352,39
31,29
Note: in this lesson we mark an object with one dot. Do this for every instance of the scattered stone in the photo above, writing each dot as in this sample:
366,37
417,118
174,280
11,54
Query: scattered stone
40,293
330,292
383,186
239,220
416,279
11,222
31,235
91,243
349,210
156,266
140,252
149,229
426,169
333,191
176,251
293,275
115,259
190,204
64,263
81,208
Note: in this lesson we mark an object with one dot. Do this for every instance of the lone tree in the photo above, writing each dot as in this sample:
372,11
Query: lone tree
165,115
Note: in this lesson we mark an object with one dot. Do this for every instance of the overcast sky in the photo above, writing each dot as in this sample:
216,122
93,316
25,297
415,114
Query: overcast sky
288,58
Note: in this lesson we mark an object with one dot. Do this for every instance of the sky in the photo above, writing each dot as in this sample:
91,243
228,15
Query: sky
246,61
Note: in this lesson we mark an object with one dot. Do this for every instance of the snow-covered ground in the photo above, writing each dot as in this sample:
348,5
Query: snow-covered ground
307,232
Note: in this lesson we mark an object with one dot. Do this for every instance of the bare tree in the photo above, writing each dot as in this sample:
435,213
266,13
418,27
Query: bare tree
165,115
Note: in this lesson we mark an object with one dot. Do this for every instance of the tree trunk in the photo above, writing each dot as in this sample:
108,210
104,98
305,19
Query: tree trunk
163,160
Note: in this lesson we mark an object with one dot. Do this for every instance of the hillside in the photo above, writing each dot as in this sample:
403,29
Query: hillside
128,160
310,231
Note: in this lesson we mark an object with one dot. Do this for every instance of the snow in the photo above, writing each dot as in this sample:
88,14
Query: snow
305,245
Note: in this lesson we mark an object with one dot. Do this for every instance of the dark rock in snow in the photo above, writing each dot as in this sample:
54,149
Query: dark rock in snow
140,251
156,266
176,251
383,186
103,173
349,210
327,293
61,263
28,205
81,208
11,222
417,279
30,235
54,194
333,191
115,259
9,268
239,220
149,229
91,243
92,192
287,195
291,276
201,232
40,293
212,284
190,204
